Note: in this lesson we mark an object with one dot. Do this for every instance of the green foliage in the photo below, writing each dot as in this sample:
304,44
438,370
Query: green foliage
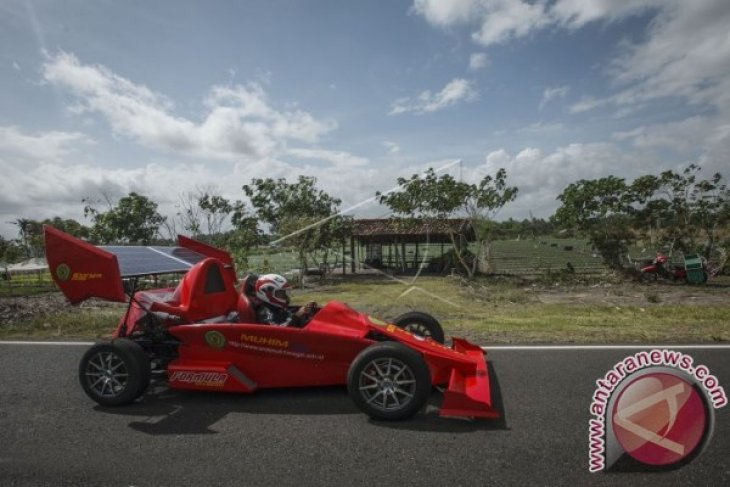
303,216
433,197
601,208
674,211
134,220
68,225
276,200
30,236
215,210
428,196
4,246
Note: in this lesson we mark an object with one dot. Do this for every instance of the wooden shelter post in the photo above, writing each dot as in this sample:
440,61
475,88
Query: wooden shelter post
352,254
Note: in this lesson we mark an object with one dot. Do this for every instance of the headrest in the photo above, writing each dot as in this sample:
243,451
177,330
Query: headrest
249,285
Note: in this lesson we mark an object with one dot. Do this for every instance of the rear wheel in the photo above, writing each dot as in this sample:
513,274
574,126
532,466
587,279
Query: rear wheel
114,373
389,381
421,324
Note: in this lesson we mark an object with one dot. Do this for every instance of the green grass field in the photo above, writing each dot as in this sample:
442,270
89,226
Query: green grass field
499,310
28,284
486,311
506,313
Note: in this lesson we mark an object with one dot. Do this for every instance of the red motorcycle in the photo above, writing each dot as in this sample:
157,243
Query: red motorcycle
693,271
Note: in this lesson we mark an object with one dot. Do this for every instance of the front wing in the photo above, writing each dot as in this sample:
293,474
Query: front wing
463,368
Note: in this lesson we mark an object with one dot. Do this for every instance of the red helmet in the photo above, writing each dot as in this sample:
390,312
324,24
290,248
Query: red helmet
661,258
273,289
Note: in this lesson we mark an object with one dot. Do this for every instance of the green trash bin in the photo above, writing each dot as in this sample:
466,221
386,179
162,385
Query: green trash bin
695,269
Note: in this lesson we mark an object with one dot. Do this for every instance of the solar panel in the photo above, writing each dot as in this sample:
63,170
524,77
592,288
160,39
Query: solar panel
144,261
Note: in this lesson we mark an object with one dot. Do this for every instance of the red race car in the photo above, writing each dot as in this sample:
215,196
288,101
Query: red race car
203,336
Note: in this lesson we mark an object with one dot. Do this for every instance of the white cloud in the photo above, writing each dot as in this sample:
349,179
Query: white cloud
240,121
457,90
506,19
588,103
498,21
46,145
577,13
341,159
552,94
686,54
541,176
542,128
477,61
680,136
710,135
446,12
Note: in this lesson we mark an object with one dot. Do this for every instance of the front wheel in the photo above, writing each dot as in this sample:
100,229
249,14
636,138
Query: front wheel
421,324
114,373
389,381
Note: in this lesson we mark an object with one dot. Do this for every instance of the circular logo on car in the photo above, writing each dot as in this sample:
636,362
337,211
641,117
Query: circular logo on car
63,272
660,419
215,339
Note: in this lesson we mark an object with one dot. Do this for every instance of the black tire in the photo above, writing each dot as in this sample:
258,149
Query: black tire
421,324
114,373
389,381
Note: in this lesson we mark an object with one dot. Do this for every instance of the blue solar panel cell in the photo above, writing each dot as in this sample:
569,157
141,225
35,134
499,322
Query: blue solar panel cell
144,261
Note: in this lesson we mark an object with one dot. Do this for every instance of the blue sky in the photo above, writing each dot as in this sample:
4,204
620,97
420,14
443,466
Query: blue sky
101,98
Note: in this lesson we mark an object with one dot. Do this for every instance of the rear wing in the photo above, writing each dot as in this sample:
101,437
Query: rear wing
82,270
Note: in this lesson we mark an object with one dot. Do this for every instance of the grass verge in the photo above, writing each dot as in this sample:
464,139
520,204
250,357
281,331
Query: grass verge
74,323
484,312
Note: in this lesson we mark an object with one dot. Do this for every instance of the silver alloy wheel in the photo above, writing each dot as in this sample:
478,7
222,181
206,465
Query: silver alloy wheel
106,374
387,384
418,329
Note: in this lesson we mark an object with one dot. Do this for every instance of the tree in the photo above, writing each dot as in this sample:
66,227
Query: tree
188,214
68,225
133,220
29,231
431,198
298,213
215,210
697,209
11,251
244,235
4,245
673,210
600,208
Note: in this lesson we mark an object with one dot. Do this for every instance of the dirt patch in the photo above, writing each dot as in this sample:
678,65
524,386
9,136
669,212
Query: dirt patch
15,310
637,295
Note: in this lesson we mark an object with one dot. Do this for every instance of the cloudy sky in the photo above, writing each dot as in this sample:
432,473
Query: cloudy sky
107,97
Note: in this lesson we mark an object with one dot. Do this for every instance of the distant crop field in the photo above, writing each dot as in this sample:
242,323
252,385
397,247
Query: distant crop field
516,257
533,257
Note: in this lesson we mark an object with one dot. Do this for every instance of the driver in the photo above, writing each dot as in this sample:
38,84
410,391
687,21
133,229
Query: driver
272,291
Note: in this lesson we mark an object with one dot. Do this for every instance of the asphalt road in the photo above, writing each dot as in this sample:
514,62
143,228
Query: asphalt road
51,434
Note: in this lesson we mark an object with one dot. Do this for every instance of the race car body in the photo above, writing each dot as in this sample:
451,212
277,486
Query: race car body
203,334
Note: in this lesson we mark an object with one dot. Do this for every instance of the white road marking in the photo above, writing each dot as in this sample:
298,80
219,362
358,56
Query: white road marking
67,344
606,347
